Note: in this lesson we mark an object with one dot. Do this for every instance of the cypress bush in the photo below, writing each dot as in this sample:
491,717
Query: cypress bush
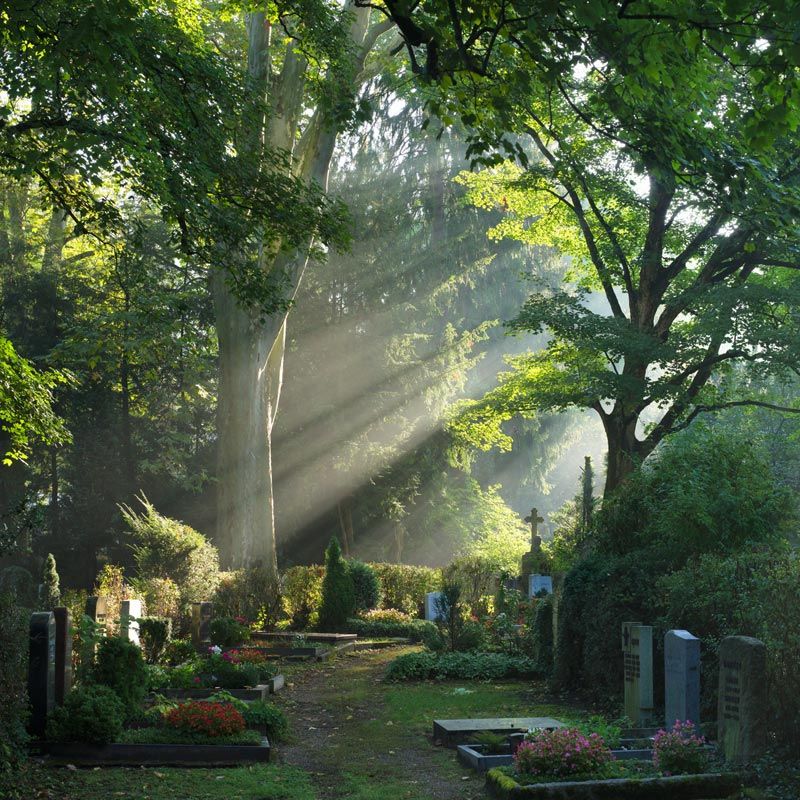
51,592
120,666
366,586
338,596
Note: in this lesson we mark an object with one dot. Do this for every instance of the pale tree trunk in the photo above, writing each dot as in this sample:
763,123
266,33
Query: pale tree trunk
251,350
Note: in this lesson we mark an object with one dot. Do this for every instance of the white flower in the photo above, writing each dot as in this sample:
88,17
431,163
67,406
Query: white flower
216,650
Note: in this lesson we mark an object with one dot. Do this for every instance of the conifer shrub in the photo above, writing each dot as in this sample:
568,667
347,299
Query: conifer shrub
366,586
93,714
120,666
338,597
154,634
51,592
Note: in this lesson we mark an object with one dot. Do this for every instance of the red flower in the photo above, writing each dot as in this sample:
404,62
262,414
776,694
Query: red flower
210,719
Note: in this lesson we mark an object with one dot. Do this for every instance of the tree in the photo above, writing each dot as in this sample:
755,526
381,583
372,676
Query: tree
338,594
682,205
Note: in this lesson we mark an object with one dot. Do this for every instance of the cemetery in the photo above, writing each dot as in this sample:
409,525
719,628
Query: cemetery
400,400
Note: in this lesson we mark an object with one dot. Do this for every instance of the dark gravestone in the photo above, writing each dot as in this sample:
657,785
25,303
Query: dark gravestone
201,623
97,609
681,677
742,704
63,660
41,669
637,650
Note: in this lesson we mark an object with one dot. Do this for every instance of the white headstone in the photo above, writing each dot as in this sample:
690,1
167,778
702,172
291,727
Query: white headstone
681,677
432,612
637,649
537,583
130,611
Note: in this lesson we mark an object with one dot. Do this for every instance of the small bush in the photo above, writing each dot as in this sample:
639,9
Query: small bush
217,671
120,666
268,715
680,751
206,719
302,595
228,632
541,634
477,578
418,630
110,583
91,714
250,594
175,736
561,753
366,586
404,586
178,651
51,592
13,675
162,597
338,598
154,634
459,666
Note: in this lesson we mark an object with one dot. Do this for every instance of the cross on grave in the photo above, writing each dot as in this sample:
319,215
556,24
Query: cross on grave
534,519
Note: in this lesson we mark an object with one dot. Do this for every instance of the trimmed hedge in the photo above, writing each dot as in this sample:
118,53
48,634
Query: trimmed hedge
416,629
404,586
460,666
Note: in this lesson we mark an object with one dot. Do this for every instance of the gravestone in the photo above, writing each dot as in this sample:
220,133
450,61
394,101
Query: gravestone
201,623
742,704
129,613
637,649
97,609
432,612
41,669
681,677
537,583
63,660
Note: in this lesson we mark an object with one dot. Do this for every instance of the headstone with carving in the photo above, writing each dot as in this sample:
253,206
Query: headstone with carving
681,677
742,703
432,611
63,660
41,669
129,614
539,583
637,649
201,623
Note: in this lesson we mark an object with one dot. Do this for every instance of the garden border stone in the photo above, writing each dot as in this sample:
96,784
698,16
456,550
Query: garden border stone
677,787
163,755
472,755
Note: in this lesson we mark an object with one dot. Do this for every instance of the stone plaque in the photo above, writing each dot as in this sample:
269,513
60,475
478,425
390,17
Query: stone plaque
432,612
129,613
681,677
201,623
637,650
41,669
538,583
742,703
63,660
97,609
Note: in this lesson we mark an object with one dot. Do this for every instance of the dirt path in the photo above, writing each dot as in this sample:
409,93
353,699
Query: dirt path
345,740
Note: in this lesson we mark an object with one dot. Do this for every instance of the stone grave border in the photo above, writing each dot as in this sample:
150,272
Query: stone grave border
152,755
259,692
678,787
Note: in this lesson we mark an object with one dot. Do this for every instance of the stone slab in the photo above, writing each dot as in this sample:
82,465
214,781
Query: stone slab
681,677
537,583
129,614
637,650
324,638
63,660
451,732
41,669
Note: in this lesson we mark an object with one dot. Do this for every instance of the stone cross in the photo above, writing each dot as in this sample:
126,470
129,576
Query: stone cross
41,669
637,649
63,660
129,613
534,519
681,677
201,623
742,703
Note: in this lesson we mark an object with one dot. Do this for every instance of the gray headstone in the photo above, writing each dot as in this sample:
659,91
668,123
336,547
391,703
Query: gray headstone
129,613
742,709
432,606
637,649
537,583
97,609
63,660
41,669
681,677
201,623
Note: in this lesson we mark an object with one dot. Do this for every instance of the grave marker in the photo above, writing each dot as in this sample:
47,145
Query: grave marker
63,659
681,677
637,649
41,669
129,613
432,612
201,623
97,609
537,583
742,704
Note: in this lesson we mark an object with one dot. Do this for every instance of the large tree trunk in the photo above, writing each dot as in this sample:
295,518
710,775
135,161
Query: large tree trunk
625,451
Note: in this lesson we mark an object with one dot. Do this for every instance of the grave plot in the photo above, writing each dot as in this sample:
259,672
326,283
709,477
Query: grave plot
451,732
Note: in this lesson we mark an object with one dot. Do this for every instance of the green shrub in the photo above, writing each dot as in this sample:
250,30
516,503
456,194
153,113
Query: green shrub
178,651
228,632
162,597
338,599
120,666
219,672
477,578
17,581
415,629
154,635
51,592
302,595
166,548
366,586
541,634
250,594
459,666
13,677
92,714
175,736
404,586
261,713
110,583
